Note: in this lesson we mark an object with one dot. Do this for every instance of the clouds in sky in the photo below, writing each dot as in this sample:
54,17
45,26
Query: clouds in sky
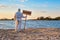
40,5
19,0
23,0
12,3
12,6
2,6
6,6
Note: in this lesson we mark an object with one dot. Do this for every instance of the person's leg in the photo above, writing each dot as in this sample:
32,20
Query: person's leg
16,25
19,25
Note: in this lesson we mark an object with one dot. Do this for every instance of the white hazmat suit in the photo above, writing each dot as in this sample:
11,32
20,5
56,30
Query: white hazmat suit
18,20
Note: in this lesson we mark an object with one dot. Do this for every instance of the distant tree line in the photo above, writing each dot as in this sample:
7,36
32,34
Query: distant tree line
6,19
38,18
48,18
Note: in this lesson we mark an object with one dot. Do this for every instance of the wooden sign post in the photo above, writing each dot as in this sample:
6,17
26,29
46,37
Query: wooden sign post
26,13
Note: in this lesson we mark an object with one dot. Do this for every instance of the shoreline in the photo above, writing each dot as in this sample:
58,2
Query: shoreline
31,34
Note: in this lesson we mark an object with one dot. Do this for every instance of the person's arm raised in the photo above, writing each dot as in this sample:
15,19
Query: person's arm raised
23,16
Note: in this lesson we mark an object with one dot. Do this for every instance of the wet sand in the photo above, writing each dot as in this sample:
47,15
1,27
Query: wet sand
31,34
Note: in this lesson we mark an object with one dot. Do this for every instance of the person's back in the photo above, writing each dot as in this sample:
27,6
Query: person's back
18,18
18,15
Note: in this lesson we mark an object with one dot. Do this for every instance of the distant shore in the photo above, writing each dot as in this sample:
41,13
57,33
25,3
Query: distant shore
38,18
31,34
27,19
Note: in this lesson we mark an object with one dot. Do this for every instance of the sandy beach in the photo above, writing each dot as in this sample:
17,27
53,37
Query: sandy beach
31,34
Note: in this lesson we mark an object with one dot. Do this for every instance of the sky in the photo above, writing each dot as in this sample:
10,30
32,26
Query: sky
38,7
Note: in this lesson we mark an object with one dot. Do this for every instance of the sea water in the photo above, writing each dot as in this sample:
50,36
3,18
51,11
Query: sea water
31,24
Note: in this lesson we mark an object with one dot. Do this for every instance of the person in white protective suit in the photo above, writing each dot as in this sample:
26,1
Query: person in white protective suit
18,20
